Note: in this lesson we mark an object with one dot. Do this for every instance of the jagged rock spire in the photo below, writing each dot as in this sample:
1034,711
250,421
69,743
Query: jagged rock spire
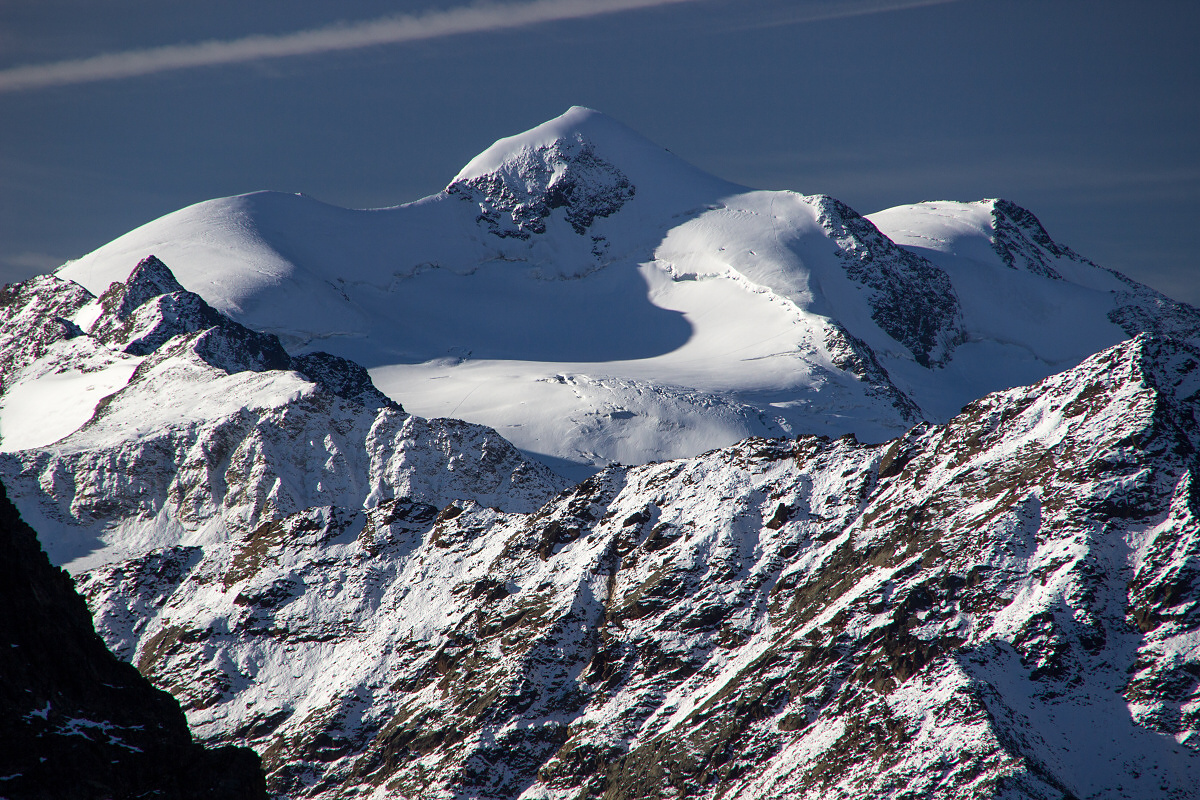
149,279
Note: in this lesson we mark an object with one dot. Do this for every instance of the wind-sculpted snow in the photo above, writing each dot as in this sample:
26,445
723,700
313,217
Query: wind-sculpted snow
1002,606
214,430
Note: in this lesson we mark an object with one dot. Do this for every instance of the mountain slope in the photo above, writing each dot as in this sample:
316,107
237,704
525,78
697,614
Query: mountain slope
597,300
1028,302
187,427
1002,606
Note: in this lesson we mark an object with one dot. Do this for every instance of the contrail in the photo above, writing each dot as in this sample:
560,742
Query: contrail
476,18
820,10
345,36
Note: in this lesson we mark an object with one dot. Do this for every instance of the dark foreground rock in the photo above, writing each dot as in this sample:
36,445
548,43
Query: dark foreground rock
75,722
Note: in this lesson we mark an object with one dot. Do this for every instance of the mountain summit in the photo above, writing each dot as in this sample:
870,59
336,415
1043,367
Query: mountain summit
596,299
609,141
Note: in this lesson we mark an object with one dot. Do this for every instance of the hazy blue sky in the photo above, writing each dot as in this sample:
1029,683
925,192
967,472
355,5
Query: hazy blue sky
1088,113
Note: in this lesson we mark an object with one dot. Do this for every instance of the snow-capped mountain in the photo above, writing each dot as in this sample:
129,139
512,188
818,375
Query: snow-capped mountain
184,427
1001,606
596,299
383,606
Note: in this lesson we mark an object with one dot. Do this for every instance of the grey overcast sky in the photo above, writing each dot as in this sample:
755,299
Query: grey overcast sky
1087,113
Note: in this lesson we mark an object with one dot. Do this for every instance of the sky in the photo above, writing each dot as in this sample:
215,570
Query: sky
1087,113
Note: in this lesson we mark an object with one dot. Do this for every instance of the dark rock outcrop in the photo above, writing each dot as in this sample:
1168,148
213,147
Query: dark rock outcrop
344,378
74,720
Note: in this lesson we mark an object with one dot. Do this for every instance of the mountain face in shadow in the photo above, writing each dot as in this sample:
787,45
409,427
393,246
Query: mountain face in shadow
74,720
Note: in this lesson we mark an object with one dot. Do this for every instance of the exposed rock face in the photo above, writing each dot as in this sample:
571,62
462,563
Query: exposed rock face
912,300
344,378
855,356
1140,309
517,199
1022,242
35,314
74,720
1002,606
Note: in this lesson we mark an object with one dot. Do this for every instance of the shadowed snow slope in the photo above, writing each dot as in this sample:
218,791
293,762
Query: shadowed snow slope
596,299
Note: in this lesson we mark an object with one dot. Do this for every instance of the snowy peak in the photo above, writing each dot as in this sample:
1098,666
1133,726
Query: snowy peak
142,315
67,356
694,311
149,308
1141,389
994,231
582,162
517,197
36,314
150,278
612,141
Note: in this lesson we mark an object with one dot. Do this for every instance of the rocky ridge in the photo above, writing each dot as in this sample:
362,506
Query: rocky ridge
1021,242
955,614
912,300
218,430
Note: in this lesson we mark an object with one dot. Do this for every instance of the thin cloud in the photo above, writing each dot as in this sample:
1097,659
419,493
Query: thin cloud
476,18
345,36
819,10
